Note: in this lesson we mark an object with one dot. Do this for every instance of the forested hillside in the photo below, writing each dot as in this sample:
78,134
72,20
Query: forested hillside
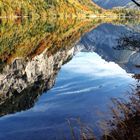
32,8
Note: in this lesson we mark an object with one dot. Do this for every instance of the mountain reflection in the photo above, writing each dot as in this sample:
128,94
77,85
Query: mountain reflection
114,44
32,53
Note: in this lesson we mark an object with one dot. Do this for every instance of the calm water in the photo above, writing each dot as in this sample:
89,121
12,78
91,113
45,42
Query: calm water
41,94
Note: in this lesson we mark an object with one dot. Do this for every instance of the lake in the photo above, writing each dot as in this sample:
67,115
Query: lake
53,73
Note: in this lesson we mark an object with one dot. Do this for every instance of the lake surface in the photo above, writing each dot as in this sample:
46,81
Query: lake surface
78,74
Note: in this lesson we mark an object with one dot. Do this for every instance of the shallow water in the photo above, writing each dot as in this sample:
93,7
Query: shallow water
98,67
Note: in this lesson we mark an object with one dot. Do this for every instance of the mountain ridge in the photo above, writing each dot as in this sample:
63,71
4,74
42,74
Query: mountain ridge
108,4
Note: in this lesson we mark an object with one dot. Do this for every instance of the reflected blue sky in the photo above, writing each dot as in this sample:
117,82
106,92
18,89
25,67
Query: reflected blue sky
83,88
92,65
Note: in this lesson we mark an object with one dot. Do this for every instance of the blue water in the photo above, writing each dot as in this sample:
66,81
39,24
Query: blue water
83,89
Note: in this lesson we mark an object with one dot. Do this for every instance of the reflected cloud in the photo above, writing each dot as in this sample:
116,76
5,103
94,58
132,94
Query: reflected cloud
91,64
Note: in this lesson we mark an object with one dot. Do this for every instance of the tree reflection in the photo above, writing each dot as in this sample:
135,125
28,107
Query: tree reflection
130,42
31,55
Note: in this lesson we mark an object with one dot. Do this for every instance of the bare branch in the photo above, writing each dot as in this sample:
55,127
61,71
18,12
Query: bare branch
138,4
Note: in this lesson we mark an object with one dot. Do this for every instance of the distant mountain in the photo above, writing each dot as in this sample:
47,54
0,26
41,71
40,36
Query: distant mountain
111,3
133,5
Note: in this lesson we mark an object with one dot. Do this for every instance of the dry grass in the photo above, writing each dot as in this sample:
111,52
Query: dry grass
79,130
124,125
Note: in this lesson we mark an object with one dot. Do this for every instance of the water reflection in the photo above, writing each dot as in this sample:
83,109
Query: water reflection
31,55
116,44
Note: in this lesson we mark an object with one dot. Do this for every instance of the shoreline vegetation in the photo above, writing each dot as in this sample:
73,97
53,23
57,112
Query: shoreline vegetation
59,8
31,37
124,123
45,8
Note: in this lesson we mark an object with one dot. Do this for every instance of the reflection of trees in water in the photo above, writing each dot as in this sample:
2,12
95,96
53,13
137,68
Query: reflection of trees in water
137,76
130,42
34,58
